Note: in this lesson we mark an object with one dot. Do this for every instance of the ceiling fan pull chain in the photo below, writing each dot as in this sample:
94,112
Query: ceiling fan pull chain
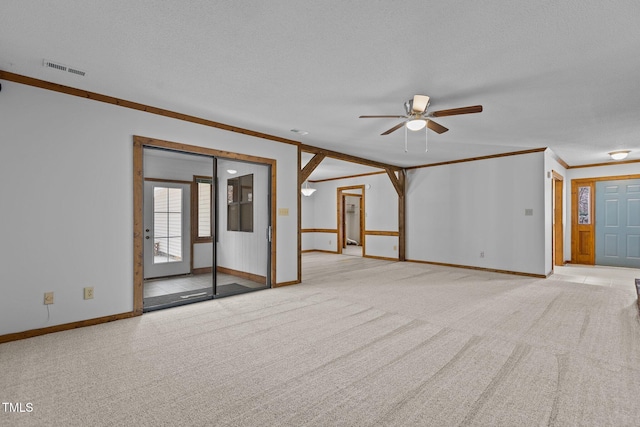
405,139
426,139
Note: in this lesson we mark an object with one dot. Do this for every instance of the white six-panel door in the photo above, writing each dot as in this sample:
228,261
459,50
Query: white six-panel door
618,223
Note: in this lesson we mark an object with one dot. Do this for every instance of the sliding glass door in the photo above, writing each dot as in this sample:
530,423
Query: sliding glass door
207,228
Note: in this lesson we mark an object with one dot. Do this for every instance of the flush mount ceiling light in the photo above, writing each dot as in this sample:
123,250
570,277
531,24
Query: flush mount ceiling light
232,171
306,191
300,132
620,154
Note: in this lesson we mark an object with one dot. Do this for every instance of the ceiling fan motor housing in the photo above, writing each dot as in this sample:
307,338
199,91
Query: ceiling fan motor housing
419,104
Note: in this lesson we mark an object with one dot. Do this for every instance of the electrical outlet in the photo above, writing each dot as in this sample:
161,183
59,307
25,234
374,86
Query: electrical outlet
329,242
481,254
395,248
88,292
48,298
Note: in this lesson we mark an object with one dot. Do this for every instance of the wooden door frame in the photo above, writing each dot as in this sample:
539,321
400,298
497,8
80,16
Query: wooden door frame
574,211
139,143
340,214
557,223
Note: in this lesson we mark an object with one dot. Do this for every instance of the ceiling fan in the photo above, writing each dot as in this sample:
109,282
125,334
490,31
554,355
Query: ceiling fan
417,117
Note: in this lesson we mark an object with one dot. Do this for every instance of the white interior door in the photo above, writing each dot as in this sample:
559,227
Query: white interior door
167,239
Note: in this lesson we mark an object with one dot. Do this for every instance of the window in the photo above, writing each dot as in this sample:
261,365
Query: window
167,224
584,205
240,203
201,207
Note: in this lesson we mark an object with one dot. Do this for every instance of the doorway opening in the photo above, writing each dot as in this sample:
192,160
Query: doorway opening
351,218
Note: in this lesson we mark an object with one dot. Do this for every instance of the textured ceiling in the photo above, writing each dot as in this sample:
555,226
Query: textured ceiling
552,74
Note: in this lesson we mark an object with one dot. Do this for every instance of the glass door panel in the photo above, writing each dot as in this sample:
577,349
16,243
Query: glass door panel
243,244
178,245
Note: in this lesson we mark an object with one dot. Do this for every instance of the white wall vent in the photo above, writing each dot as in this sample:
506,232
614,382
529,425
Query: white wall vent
61,67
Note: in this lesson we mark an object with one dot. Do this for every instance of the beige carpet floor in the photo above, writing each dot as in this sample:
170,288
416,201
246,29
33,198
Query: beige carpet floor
361,342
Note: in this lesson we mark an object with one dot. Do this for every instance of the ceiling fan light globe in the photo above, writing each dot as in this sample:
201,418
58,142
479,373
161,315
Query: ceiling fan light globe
416,124
619,155
307,191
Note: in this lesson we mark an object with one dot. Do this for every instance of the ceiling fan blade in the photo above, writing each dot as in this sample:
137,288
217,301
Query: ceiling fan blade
457,111
436,127
393,129
382,117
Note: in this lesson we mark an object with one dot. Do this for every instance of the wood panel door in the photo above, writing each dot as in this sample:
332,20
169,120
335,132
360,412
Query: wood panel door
583,222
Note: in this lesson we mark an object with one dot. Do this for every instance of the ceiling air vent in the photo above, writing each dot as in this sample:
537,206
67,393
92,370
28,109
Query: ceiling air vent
78,72
51,64
61,67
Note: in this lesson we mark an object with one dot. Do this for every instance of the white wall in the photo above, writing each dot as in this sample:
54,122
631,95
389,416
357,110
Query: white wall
66,170
307,210
240,250
457,211
381,214
591,172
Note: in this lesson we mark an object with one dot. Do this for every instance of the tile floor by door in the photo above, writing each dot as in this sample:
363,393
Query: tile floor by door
596,275
172,285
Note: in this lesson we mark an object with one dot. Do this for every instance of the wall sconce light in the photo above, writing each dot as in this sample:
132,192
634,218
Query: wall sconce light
306,191
620,154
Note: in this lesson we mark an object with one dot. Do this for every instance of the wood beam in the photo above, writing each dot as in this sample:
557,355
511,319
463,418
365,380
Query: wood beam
402,232
347,157
310,167
395,181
